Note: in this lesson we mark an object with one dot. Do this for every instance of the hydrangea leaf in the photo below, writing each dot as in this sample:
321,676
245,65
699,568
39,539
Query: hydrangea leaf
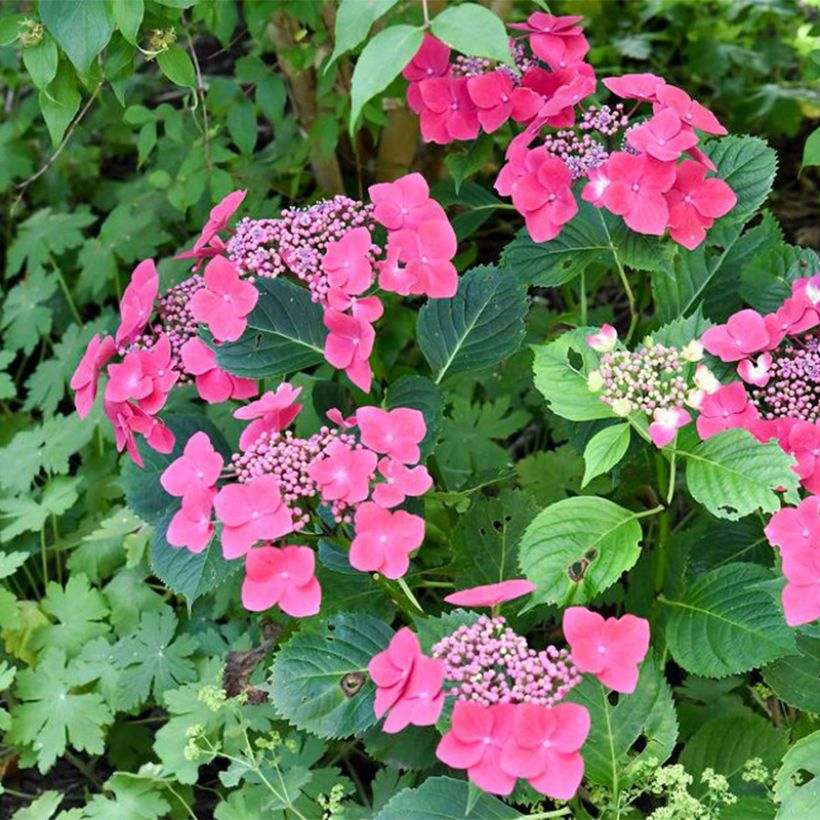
604,450
799,797
795,679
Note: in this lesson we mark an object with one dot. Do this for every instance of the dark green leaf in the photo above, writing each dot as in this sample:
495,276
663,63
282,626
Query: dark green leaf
421,394
474,30
83,29
177,66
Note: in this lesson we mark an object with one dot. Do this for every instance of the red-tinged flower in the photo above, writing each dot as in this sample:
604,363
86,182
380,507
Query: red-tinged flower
475,742
347,261
801,595
404,203
431,60
641,87
384,540
127,379
796,315
664,136
544,195
497,99
270,413
725,409
390,669
422,698
604,340
157,436
396,433
400,482
597,183
695,202
756,372
192,526
543,23
744,334
544,747
559,109
209,243
344,473
87,375
609,648
558,41
636,191
689,112
428,252
491,594
249,513
195,470
666,421
348,346
282,576
796,527
137,302
448,113
225,301
213,384
156,365
803,442
127,419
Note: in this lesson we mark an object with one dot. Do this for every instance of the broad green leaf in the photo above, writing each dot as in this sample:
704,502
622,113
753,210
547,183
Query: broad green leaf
430,631
10,562
679,332
82,29
11,26
412,748
725,743
646,717
579,547
795,679
478,327
550,475
319,679
811,150
727,623
59,103
128,17
733,475
465,163
604,450
474,30
42,808
133,798
41,61
177,66
381,61
421,394
799,799
444,798
285,334
242,125
767,278
353,21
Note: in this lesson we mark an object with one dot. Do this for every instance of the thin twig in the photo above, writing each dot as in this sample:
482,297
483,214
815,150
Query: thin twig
200,88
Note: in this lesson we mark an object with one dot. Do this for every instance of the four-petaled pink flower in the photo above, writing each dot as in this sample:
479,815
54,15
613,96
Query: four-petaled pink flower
283,576
399,482
209,244
270,413
251,512
475,742
87,375
213,384
384,540
666,421
428,251
347,261
348,346
497,99
225,301
558,41
197,469
396,433
156,366
192,526
797,526
796,315
137,302
344,473
404,203
641,87
491,594
448,113
725,409
609,648
664,137
756,372
604,340
544,747
744,334
803,442
688,111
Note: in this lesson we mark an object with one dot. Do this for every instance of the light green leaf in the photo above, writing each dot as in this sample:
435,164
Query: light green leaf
128,16
478,327
10,562
734,475
579,547
41,61
353,21
25,316
41,808
799,798
177,66
59,103
134,798
82,29
474,30
604,450
727,623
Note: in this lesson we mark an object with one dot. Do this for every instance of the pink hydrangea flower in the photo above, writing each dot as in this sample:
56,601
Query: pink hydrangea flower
609,648
197,469
795,527
283,576
559,110
213,384
344,474
796,315
475,742
347,261
209,244
390,669
137,302
404,203
431,60
689,112
448,113
801,595
87,375
157,366
726,408
641,87
666,421
663,137
558,41
249,513
192,526
270,413
604,340
756,372
127,379
393,276
348,346
400,482
543,196
497,99
803,442
635,191
491,594
127,419
695,202
544,747
384,540
744,334
428,252
225,301
544,23
396,433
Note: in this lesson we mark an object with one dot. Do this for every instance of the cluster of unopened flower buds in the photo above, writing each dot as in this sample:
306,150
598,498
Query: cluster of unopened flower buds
504,726
646,182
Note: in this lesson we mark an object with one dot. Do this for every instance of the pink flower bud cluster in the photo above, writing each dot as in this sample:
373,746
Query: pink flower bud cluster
489,663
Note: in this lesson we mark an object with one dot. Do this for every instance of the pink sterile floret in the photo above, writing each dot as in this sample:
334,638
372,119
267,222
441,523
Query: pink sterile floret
447,112
225,301
793,527
192,525
384,540
609,648
491,594
198,467
399,482
213,384
756,372
404,203
251,512
348,346
558,41
666,421
284,576
87,375
604,340
497,99
137,302
143,375
395,433
209,243
803,442
642,87
428,251
344,473
347,262
431,60
663,137
270,413
744,334
689,111
725,409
